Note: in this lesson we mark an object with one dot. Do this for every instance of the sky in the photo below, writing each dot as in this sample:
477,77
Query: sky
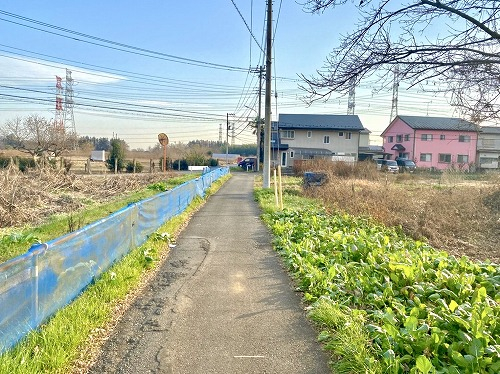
183,68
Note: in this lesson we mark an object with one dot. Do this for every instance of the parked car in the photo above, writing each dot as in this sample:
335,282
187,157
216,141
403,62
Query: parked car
314,179
406,165
390,166
248,163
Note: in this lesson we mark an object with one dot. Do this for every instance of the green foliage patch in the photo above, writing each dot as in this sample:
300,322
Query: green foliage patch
387,303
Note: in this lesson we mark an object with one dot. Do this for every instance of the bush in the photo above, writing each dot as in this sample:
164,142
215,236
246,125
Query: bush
183,164
4,162
25,163
130,167
213,162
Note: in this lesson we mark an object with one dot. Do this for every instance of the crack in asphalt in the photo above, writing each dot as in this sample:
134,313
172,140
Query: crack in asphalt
151,315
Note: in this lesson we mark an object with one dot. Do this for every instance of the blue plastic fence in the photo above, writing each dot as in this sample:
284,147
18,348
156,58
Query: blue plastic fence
35,285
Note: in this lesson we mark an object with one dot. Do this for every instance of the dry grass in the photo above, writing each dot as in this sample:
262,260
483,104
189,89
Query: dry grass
450,212
29,198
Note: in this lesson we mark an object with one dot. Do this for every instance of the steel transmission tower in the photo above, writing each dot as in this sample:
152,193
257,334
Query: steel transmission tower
351,101
59,115
69,117
395,89
220,133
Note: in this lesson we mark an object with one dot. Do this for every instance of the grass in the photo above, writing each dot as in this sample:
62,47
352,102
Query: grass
356,273
68,340
18,242
343,333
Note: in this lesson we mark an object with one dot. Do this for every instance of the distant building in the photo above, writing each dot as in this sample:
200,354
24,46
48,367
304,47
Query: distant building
488,147
432,142
231,158
312,136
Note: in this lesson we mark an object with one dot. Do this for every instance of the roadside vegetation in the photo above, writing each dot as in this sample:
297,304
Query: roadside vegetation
452,210
43,204
70,341
384,299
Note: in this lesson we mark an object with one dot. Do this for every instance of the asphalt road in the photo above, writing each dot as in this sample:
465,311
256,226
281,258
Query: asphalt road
221,303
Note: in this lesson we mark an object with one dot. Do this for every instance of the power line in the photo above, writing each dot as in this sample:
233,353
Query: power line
114,45
246,24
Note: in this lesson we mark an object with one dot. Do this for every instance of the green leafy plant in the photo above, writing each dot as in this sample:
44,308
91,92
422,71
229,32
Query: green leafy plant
424,311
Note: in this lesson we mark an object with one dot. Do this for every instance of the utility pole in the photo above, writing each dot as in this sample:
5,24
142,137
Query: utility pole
261,70
227,137
267,124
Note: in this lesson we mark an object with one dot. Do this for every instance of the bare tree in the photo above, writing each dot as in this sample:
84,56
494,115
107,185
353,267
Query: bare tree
454,43
36,136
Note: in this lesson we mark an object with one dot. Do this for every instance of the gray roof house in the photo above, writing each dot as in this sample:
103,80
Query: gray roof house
310,136
488,147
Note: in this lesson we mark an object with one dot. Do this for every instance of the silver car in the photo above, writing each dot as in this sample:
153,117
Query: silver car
390,166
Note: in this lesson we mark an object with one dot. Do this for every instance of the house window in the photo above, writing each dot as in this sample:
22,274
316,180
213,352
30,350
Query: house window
445,158
462,159
288,134
427,157
442,137
341,133
309,134
399,138
464,138
348,135
326,139
407,137
291,154
488,143
426,137
390,139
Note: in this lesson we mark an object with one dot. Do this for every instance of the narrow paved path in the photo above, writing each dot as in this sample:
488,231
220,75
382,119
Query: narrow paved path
221,303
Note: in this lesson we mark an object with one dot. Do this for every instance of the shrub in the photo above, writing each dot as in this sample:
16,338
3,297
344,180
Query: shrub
25,163
130,167
4,162
183,164
213,162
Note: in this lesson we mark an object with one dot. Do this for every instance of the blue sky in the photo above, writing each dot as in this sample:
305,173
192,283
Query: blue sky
189,66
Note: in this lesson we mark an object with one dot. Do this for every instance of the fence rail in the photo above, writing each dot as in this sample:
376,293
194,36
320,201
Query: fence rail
36,284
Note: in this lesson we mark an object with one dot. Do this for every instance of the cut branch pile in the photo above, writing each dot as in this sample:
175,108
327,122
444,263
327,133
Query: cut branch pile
30,198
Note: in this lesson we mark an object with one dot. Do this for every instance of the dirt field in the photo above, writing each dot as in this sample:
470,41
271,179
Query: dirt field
456,212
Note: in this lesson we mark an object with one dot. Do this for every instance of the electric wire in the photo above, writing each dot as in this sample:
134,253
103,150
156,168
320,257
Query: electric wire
114,45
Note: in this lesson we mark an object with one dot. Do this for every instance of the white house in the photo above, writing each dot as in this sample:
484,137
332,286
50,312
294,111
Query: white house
488,147
309,136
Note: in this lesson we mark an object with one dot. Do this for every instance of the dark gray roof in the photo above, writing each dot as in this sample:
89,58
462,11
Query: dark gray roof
371,148
490,129
438,123
320,122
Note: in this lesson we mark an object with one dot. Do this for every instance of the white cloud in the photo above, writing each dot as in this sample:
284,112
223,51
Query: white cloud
26,71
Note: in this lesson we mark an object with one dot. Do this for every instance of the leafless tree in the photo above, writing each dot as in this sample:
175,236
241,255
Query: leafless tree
36,136
454,43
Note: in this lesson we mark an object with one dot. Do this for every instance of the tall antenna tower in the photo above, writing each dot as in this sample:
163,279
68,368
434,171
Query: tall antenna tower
232,135
395,89
351,101
59,116
220,132
69,117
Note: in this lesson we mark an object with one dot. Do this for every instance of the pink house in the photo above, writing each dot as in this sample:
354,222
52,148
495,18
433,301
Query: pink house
432,142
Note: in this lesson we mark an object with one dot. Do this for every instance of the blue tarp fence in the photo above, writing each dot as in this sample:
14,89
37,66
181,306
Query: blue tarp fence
36,284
